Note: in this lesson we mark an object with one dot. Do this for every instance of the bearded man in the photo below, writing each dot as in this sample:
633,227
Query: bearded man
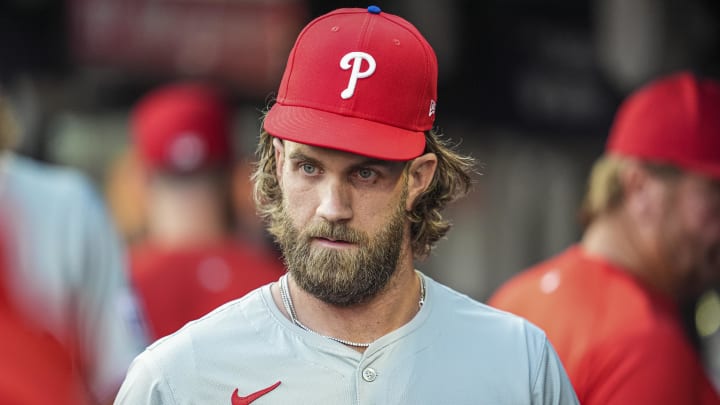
352,178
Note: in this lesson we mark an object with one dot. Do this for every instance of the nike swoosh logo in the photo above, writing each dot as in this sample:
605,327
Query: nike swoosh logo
238,400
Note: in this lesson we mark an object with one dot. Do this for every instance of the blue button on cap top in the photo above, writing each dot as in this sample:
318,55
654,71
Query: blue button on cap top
374,9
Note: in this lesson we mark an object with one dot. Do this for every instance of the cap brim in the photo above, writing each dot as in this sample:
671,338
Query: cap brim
349,134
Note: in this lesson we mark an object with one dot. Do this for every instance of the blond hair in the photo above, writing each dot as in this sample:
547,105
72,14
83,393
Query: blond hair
452,180
605,190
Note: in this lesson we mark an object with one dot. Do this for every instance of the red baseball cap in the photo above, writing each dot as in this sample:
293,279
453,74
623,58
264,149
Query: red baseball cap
674,120
182,127
361,81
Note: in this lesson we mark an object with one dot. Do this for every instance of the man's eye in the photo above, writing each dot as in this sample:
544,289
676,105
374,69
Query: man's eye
308,168
366,173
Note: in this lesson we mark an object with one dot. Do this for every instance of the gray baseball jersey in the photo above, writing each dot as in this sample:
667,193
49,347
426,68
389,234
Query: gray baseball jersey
69,270
454,351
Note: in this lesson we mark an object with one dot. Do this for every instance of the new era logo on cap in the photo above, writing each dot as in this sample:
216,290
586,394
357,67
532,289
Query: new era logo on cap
361,81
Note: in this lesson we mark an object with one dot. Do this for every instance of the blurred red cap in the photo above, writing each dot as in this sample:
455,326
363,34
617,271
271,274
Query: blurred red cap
182,128
674,120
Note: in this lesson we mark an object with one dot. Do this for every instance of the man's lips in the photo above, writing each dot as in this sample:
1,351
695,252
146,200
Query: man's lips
335,243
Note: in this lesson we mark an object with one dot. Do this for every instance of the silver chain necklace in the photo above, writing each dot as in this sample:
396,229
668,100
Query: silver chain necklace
290,308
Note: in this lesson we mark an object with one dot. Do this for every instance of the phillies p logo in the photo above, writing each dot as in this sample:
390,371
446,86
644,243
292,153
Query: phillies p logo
355,74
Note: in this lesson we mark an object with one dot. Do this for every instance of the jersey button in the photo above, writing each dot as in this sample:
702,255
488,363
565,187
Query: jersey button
369,374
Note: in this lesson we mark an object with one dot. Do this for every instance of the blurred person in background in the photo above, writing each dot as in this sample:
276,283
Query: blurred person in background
32,358
192,257
610,304
68,270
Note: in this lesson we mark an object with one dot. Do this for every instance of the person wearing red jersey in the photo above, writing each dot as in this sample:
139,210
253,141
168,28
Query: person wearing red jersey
191,259
610,304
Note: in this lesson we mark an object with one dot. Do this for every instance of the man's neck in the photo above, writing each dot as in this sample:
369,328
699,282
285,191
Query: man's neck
614,238
392,308
177,221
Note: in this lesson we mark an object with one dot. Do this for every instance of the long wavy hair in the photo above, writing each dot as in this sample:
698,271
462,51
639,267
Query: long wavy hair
453,179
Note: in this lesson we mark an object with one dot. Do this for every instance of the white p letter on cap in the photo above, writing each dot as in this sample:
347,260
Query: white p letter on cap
357,58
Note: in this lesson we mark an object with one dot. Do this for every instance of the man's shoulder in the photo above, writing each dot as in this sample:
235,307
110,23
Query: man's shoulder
540,283
238,321
474,333
466,312
46,176
31,183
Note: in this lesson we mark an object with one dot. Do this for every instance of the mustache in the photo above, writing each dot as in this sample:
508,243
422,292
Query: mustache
335,232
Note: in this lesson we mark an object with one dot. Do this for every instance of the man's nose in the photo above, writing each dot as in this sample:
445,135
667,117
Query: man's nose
335,202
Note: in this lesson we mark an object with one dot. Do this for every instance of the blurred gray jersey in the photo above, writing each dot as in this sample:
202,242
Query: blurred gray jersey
68,273
454,351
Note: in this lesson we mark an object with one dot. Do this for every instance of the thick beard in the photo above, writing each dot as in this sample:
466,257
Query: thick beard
342,278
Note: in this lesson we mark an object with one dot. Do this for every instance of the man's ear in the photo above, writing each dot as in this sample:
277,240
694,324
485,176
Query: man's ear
420,175
279,157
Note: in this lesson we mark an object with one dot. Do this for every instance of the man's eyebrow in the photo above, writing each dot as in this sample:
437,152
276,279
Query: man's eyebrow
299,155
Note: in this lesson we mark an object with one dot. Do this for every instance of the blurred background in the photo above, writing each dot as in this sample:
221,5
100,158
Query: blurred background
528,87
